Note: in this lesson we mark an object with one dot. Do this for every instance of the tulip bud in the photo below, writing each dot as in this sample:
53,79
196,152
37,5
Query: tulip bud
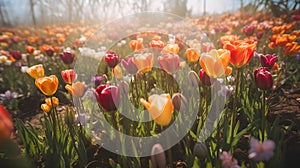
193,79
158,157
200,150
112,59
68,75
179,102
268,60
108,97
205,79
263,78
259,35
67,57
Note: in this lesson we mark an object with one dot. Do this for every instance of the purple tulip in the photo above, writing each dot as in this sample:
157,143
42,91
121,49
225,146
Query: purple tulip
129,65
67,57
268,60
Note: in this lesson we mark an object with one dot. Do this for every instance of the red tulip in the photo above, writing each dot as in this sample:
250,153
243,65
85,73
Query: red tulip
68,75
108,97
112,59
268,60
169,62
249,30
67,57
204,78
16,54
129,65
263,78
6,124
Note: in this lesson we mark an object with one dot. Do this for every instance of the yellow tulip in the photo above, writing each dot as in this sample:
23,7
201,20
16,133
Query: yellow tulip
46,108
215,62
54,100
144,62
160,108
76,89
117,72
36,71
48,84
170,48
192,55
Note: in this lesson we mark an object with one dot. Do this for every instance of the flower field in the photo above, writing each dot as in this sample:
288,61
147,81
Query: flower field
211,91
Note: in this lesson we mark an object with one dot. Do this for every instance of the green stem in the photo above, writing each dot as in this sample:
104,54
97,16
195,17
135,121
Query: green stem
234,107
263,115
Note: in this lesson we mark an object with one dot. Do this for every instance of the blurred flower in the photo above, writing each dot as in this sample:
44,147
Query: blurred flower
261,151
47,49
259,35
67,57
6,124
108,97
291,49
169,62
3,59
158,157
282,40
249,30
45,108
76,89
97,80
51,100
205,79
215,62
112,59
80,119
226,90
68,75
192,55
179,101
156,44
268,60
160,108
117,72
200,150
9,95
170,48
207,46
228,161
241,52
263,78
128,64
30,49
136,45
47,85
16,54
143,62
230,38
36,71
24,69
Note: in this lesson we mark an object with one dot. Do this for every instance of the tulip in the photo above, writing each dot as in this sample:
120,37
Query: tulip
207,46
170,48
36,71
268,60
249,30
169,62
112,59
193,79
76,89
136,45
192,55
144,62
261,151
241,52
291,49
67,57
16,55
156,44
6,124
158,157
230,38
215,62
117,72
47,49
108,97
179,101
30,49
160,108
53,100
47,85
46,108
68,75
200,150
129,65
97,80
204,78
263,78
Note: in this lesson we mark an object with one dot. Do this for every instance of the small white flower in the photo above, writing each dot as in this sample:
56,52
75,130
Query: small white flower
24,69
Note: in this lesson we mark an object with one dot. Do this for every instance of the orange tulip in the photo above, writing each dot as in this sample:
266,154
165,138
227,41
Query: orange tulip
284,39
76,89
54,100
36,71
241,52
6,124
291,49
30,49
46,108
215,62
170,48
136,45
230,38
117,72
144,62
160,108
192,55
47,85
